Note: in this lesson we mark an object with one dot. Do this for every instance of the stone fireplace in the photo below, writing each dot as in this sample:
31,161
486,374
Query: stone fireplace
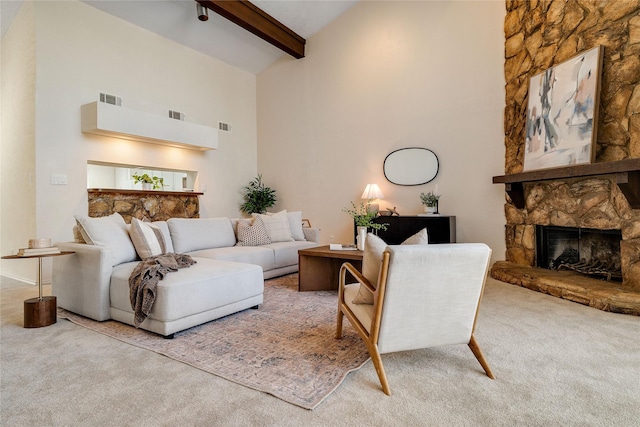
592,206
603,196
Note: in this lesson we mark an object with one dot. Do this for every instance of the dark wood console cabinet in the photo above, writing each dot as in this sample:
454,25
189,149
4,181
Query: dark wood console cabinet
441,228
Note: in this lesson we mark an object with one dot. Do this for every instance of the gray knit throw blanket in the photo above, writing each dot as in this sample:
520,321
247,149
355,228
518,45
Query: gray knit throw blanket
143,281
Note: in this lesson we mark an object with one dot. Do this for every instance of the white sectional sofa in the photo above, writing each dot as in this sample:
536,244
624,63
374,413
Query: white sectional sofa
226,278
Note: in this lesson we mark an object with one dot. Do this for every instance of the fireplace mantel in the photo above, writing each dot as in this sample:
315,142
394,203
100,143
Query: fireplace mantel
142,192
627,175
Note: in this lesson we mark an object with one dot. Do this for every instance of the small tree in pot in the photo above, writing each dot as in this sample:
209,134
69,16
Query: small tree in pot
257,197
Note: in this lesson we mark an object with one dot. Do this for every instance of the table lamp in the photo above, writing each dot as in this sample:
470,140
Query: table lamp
372,192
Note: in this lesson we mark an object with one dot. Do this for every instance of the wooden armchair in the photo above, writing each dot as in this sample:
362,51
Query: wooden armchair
427,296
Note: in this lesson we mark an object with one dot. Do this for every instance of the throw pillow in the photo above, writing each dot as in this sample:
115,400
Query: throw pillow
147,239
277,225
420,238
252,232
295,225
374,246
110,231
77,236
373,249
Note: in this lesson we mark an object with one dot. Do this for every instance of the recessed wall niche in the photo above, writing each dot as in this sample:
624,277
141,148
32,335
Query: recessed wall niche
120,177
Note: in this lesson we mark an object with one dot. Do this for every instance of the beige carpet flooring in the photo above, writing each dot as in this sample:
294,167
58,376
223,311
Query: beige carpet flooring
286,348
557,363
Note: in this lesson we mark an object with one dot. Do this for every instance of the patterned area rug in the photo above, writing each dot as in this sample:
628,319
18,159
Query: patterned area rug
285,348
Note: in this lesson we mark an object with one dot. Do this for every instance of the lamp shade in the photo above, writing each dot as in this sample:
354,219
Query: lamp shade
372,191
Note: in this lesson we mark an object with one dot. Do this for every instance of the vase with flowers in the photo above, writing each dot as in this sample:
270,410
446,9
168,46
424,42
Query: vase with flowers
363,217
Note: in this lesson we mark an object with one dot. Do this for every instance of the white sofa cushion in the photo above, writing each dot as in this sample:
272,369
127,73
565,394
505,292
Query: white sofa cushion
110,231
147,239
277,225
192,234
205,285
286,253
258,255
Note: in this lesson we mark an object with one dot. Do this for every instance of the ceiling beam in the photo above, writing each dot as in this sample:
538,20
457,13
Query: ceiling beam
260,23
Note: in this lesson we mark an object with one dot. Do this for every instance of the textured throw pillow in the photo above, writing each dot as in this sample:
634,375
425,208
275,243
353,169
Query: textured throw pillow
164,228
373,249
277,225
110,231
252,232
295,225
77,236
147,238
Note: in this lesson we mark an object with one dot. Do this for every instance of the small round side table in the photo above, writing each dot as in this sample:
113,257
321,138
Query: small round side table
41,311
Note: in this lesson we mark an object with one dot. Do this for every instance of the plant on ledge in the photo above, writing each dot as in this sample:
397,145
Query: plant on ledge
430,199
363,216
257,197
156,182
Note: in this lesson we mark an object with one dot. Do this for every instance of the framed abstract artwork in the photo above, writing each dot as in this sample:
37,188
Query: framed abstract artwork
562,113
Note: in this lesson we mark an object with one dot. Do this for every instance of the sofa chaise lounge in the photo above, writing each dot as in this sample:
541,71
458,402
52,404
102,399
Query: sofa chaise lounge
228,276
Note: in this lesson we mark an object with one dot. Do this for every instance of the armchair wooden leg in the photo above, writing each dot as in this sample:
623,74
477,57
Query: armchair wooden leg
475,348
377,363
339,324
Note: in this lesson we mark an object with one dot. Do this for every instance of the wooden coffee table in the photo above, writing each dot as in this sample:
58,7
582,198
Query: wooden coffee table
319,267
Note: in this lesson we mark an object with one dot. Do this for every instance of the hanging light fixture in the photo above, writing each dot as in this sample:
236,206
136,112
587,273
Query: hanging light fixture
203,12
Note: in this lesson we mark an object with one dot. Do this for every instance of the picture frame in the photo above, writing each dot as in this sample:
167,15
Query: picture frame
306,223
562,113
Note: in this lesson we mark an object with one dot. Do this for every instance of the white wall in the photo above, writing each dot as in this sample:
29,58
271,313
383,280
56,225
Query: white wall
80,52
383,76
17,147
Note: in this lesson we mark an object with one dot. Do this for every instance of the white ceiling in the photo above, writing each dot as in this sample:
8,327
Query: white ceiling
219,38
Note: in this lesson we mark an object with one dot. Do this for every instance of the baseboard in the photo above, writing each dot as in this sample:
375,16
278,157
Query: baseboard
25,281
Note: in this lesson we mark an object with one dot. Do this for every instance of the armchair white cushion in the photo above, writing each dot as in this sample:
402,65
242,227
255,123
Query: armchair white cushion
427,296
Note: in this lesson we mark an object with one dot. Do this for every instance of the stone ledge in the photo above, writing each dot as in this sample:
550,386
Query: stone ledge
606,296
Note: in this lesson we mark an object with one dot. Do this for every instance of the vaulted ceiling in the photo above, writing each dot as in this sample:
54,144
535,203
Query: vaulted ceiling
220,38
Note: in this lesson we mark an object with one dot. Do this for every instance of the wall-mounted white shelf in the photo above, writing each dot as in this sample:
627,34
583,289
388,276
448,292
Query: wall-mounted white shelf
104,119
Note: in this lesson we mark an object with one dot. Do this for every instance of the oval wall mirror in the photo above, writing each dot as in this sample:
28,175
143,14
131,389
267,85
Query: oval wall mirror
411,166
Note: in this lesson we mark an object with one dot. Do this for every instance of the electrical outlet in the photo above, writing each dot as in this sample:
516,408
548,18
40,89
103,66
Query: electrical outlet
331,239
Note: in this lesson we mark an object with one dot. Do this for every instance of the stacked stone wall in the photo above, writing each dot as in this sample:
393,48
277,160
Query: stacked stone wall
538,35
149,206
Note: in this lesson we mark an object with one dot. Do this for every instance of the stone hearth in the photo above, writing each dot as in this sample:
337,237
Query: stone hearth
571,286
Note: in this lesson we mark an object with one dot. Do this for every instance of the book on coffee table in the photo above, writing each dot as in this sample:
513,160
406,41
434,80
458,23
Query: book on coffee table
341,247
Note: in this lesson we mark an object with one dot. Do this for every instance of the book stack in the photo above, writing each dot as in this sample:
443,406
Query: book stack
38,251
340,247
39,247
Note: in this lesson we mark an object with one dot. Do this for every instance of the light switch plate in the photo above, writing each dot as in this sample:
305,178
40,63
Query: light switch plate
58,179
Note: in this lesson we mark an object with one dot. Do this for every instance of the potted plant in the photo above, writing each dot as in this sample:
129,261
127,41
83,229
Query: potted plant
430,201
148,182
257,197
363,218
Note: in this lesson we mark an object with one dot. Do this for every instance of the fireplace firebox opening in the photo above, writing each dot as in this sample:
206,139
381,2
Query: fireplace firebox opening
595,253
